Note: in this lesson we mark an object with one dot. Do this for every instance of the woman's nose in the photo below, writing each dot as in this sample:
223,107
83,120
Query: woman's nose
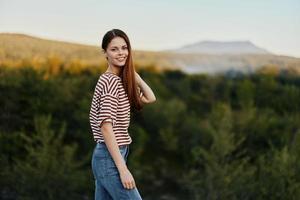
120,52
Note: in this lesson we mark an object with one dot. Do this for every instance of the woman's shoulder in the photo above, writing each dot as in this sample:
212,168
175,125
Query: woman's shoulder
108,77
108,81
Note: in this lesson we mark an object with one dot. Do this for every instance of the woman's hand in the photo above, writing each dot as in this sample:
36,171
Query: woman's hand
147,93
127,179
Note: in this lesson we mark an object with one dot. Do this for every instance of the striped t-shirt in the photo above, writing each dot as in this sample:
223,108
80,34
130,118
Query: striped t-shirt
110,103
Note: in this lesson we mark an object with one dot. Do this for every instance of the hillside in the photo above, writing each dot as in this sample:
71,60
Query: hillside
219,48
17,47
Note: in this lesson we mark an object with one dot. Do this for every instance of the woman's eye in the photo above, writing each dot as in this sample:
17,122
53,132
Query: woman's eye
116,49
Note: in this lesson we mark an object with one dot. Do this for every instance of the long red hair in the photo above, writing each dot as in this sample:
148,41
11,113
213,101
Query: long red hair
127,73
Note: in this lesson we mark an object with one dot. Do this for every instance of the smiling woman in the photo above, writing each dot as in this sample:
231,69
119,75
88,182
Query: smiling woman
117,53
118,90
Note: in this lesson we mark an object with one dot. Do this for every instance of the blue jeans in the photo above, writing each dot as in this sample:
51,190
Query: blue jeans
108,184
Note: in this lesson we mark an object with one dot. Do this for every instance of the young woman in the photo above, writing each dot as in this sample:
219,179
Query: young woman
118,90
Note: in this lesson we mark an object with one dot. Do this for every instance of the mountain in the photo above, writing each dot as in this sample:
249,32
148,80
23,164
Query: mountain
15,47
247,63
219,48
19,49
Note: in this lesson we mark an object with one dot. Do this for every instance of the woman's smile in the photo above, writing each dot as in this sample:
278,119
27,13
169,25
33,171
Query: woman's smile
121,59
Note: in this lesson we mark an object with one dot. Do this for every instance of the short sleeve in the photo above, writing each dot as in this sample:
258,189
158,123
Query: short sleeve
109,103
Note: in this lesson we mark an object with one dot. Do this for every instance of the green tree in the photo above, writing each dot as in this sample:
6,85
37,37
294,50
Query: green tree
278,172
220,171
49,170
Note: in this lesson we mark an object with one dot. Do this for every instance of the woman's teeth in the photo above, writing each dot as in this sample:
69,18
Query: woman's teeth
120,59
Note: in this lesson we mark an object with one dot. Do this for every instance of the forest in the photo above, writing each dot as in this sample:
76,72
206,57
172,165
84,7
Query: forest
230,136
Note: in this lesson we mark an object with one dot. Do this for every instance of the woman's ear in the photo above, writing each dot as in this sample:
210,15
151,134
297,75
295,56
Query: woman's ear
104,53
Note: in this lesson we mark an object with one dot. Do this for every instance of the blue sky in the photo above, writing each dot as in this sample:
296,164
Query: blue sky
157,24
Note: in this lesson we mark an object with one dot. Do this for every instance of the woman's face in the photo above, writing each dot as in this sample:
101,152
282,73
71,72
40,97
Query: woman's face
117,52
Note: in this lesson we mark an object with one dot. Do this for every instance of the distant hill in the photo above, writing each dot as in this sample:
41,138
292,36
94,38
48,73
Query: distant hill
219,48
247,63
17,47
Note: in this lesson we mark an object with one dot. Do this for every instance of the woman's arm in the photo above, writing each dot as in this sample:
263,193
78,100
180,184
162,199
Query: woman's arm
113,148
148,95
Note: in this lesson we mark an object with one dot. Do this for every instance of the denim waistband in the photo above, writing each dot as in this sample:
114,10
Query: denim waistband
120,146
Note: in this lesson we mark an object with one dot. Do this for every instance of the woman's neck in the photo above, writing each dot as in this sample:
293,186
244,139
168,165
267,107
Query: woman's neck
114,70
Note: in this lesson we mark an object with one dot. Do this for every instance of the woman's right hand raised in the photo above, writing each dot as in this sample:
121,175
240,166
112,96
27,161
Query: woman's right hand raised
127,179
